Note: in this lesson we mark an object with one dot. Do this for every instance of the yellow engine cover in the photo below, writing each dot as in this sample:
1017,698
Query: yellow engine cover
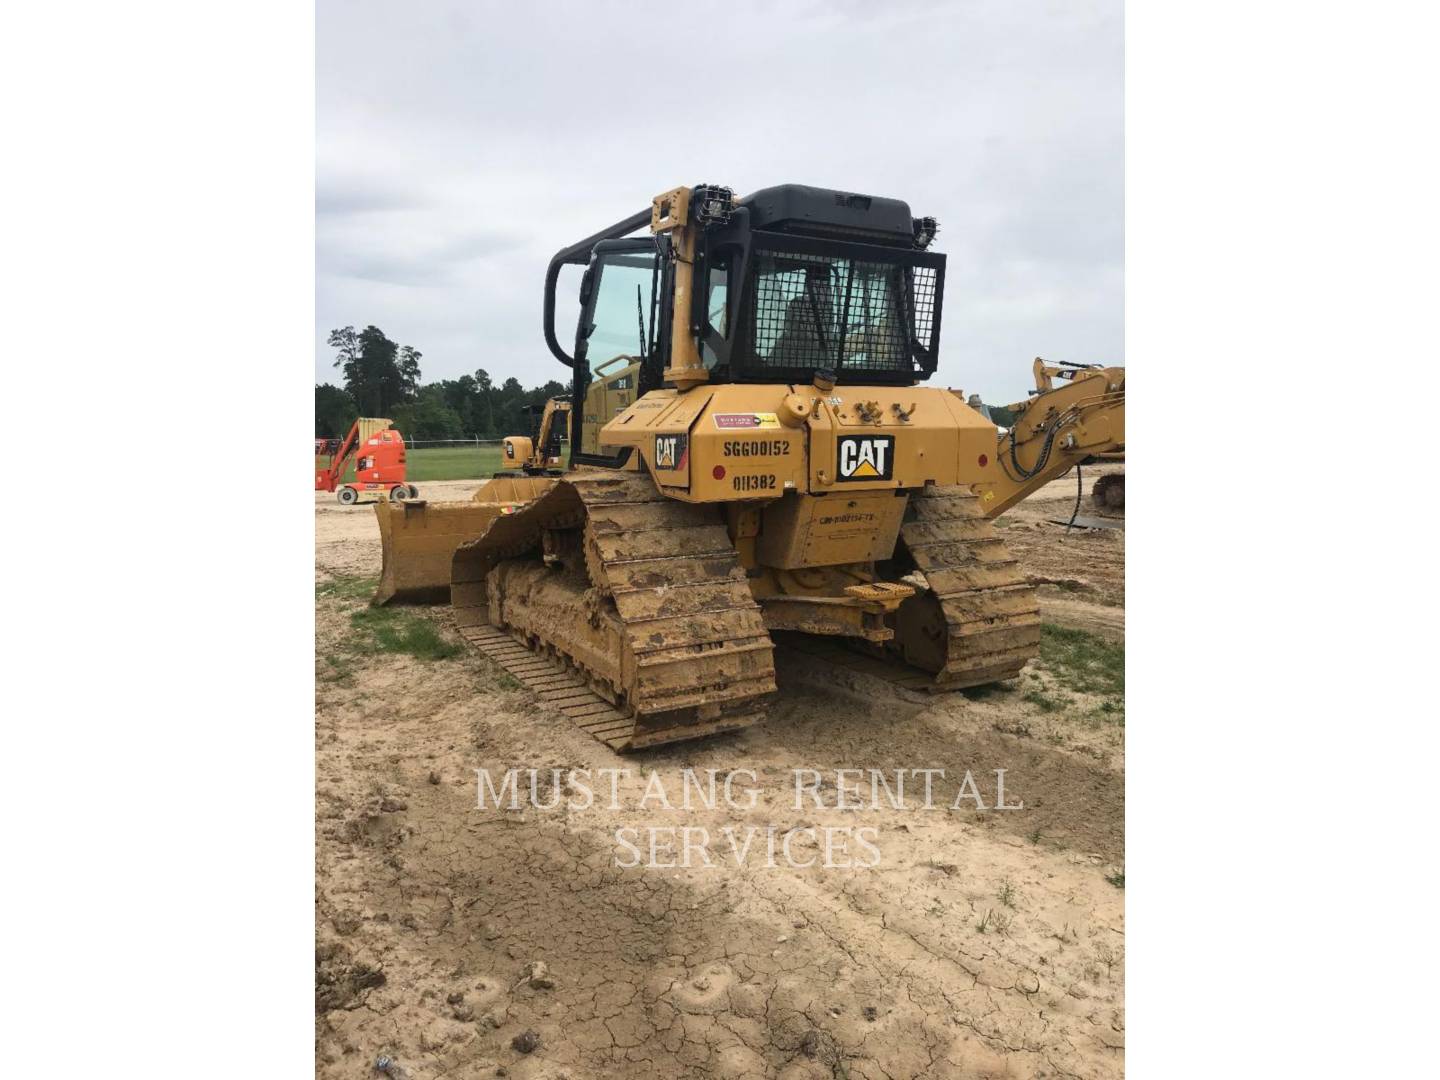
740,442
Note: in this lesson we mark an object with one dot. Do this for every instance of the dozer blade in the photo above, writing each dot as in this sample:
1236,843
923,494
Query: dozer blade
419,538
626,609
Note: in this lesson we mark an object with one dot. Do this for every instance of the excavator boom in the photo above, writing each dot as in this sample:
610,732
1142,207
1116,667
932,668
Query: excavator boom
1075,413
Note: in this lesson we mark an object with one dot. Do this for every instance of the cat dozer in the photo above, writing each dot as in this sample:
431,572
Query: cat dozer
780,470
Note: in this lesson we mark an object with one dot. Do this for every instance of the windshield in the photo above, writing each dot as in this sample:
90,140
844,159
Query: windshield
620,319
816,311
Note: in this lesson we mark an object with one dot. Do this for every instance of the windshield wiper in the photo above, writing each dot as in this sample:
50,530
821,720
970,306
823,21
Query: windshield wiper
640,314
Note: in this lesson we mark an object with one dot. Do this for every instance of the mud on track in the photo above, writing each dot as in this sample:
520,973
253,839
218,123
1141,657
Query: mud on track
984,944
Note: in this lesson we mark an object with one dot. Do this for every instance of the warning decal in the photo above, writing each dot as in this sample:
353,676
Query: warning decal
747,421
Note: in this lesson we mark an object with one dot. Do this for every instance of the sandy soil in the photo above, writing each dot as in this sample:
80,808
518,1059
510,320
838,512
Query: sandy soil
985,943
1081,572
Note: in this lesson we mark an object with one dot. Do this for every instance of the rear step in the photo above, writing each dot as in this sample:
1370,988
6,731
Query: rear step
565,690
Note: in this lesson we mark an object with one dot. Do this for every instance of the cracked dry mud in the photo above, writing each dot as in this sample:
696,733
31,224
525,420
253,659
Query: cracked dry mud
984,944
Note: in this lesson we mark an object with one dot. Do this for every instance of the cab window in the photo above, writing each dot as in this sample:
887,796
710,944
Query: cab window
715,297
620,307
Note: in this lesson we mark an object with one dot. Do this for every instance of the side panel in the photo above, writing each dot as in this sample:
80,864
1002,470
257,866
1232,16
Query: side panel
607,397
380,459
743,451
659,427
853,439
829,530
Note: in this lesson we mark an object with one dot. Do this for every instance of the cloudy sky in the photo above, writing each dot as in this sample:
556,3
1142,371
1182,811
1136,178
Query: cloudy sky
461,143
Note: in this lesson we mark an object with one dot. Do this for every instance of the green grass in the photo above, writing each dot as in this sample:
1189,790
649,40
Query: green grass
395,630
450,463
1042,701
347,588
1109,711
1083,661
453,463
993,920
1116,878
336,669
376,630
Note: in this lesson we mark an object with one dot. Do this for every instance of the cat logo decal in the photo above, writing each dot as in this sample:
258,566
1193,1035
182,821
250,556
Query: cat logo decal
672,452
867,457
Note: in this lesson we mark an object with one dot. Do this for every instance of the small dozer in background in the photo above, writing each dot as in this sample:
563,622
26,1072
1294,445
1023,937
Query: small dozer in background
779,470
379,454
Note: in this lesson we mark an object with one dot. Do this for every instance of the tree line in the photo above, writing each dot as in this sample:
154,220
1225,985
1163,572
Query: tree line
380,377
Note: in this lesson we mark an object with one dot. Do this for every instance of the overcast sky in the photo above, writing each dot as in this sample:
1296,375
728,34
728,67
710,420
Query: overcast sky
461,144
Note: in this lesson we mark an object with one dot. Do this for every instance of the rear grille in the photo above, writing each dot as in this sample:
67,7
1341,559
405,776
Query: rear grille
842,309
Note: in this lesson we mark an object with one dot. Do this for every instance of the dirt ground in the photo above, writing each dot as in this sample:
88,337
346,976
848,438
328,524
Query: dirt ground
455,941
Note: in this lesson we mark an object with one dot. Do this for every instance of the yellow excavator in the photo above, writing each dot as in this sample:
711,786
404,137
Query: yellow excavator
778,468
540,453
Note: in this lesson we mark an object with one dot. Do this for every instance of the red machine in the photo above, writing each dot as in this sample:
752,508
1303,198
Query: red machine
379,452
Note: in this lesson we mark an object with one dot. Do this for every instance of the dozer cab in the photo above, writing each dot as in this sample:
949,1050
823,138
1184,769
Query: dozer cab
780,469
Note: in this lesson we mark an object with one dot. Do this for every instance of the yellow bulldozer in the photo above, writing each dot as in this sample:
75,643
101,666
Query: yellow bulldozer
776,467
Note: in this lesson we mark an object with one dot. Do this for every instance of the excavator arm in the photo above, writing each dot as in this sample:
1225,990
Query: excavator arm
553,407
532,452
1074,412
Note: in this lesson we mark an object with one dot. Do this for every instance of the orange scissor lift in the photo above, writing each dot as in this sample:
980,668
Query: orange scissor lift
379,453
